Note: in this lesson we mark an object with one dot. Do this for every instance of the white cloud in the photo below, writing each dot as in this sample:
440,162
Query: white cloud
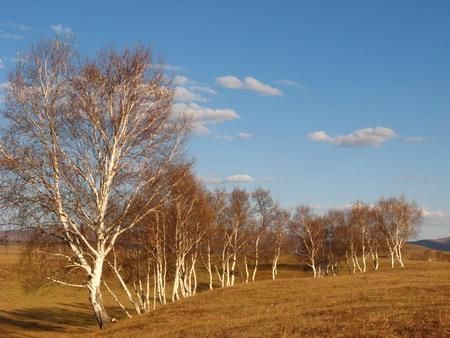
211,180
287,82
180,80
3,87
238,178
202,116
319,136
203,89
244,135
415,139
240,136
248,83
185,95
61,30
188,90
2,63
436,223
205,114
230,81
5,35
199,128
368,137
16,26
429,213
225,137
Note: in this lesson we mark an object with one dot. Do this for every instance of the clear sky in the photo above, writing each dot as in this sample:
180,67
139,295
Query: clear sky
323,102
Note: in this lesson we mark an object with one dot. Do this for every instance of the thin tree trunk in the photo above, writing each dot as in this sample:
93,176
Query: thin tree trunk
125,288
398,253
209,268
117,300
246,269
377,261
256,257
275,264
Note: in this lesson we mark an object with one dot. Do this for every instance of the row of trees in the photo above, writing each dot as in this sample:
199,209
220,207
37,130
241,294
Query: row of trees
354,234
92,165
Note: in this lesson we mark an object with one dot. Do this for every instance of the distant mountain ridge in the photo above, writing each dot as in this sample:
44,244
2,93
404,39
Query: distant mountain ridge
441,244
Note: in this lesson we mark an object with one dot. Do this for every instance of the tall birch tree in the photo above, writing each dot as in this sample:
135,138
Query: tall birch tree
80,140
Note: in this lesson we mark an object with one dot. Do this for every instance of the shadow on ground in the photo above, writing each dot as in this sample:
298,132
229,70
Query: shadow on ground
61,318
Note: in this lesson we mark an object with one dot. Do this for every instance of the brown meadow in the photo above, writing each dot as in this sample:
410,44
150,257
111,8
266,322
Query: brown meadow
391,302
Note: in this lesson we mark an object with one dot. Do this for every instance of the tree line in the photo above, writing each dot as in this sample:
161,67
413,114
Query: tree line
92,163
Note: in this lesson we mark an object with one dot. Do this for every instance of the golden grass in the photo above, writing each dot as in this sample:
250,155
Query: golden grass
414,301
410,302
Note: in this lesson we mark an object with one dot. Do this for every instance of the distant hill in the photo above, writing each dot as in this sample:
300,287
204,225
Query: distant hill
441,244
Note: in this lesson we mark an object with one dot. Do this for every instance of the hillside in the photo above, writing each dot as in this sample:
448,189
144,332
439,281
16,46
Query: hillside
412,302
441,244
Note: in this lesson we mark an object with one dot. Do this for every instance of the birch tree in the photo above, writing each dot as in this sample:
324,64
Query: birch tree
263,208
307,230
238,216
80,139
361,218
278,232
400,219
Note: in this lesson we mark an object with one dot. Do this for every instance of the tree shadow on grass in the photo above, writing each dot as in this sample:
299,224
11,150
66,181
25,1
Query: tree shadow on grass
63,317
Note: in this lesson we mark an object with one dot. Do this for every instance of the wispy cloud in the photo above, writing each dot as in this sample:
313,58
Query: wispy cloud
287,82
238,178
183,94
2,63
430,213
202,116
436,221
15,26
3,87
368,137
188,90
240,136
415,139
61,30
248,83
5,35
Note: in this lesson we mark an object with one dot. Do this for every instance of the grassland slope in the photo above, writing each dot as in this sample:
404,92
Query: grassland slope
410,302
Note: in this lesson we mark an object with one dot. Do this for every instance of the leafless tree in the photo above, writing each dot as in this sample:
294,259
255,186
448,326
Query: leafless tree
277,233
399,218
80,141
264,210
308,231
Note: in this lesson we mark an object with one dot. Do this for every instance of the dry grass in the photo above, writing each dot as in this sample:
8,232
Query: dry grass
410,302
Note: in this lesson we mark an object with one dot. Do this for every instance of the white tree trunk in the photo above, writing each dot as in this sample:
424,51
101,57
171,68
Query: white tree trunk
95,295
398,253
275,264
209,268
246,269
256,257
232,269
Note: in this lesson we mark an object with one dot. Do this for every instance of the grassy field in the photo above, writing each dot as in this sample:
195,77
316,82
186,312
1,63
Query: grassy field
410,302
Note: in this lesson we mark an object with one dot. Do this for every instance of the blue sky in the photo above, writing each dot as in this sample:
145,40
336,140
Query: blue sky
323,102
